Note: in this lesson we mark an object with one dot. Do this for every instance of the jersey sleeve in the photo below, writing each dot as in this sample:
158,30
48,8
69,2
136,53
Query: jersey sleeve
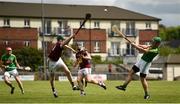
154,50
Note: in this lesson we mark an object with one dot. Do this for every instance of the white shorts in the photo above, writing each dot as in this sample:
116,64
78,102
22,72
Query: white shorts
54,65
11,73
84,72
143,66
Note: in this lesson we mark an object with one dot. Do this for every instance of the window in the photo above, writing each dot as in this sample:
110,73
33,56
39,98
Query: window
115,50
80,43
63,28
117,23
97,46
26,43
81,24
148,25
7,22
26,23
130,28
147,43
96,24
130,51
6,42
47,24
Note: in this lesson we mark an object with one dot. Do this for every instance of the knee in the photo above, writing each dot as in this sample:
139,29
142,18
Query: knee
143,76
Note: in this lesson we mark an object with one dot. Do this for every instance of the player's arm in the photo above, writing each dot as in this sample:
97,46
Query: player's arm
87,56
141,49
17,64
68,40
1,64
144,46
70,48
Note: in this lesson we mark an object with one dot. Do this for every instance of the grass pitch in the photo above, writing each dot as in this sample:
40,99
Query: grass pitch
40,92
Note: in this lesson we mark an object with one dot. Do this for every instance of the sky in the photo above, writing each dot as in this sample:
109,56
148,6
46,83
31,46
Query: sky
167,10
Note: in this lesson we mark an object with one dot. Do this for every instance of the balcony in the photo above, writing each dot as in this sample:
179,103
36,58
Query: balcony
122,52
127,32
97,49
63,31
56,31
130,32
114,52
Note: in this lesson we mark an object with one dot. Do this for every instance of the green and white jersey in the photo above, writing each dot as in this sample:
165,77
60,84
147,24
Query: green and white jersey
149,56
9,61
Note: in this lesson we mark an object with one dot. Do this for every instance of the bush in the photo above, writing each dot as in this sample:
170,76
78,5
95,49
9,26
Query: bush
97,60
29,57
165,51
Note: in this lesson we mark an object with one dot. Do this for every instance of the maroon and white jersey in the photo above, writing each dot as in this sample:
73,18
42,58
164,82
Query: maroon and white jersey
78,54
56,52
85,63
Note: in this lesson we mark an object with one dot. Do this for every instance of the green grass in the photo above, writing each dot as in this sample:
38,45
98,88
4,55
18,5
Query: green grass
40,92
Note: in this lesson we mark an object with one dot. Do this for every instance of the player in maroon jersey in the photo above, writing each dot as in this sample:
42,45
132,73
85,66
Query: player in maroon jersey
55,62
83,59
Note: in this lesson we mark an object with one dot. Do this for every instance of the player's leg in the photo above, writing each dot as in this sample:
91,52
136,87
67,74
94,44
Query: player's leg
19,83
68,74
80,84
145,85
88,78
129,78
52,68
17,78
143,73
52,83
8,82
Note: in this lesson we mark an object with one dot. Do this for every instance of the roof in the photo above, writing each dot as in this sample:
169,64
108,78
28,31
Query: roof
62,11
173,59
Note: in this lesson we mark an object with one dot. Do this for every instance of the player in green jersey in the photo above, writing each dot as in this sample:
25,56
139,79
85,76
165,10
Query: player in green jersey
143,64
10,66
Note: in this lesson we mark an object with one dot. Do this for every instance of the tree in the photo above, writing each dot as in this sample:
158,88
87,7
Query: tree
169,33
29,57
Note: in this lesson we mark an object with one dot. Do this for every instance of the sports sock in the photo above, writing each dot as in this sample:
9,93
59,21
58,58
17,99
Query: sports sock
72,83
146,93
53,89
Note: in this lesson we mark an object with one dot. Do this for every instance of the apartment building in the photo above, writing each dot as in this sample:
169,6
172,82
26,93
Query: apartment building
21,25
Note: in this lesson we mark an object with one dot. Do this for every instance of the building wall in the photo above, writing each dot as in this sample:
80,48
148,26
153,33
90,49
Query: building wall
16,37
147,35
143,34
172,71
141,25
92,35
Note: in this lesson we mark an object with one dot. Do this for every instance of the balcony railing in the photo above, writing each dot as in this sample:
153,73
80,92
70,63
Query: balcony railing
127,32
114,52
63,31
130,32
56,31
122,52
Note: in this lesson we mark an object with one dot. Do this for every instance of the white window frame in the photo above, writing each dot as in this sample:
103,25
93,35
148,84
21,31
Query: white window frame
27,43
46,23
148,25
6,22
130,50
96,24
26,22
6,42
114,48
97,46
81,44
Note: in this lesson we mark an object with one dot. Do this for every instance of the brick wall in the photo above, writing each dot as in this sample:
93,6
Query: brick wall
92,35
147,35
16,37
